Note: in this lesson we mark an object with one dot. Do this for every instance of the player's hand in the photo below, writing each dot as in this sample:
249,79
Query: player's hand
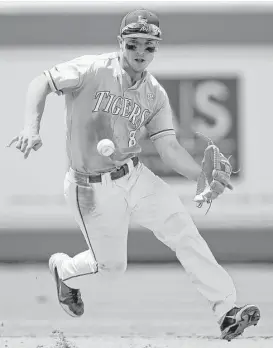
26,141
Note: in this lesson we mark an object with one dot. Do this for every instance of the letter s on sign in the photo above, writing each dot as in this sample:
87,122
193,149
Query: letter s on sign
219,114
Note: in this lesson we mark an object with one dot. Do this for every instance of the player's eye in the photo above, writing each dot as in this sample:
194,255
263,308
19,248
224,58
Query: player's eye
151,49
131,47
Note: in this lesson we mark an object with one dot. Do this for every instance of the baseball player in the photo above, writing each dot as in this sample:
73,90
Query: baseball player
109,98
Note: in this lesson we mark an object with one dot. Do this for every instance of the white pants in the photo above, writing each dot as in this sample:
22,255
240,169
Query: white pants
103,212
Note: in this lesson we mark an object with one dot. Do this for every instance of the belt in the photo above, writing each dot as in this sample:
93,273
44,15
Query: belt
117,174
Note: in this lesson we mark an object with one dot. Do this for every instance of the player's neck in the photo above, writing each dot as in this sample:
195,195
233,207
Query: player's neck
134,76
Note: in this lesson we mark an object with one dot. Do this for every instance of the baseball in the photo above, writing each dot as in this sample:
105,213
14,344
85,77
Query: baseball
105,147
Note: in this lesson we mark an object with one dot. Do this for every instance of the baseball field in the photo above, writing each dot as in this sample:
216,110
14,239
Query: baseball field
151,306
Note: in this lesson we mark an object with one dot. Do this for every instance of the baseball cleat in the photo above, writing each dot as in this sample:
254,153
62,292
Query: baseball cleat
237,320
69,299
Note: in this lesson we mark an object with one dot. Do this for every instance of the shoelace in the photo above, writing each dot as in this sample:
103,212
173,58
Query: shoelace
74,294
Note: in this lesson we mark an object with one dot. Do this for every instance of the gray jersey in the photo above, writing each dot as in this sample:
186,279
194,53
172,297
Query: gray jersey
100,105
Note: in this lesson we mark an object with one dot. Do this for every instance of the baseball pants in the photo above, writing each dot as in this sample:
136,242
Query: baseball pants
104,210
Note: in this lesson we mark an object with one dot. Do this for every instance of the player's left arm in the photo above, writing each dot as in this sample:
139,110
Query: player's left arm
177,157
162,133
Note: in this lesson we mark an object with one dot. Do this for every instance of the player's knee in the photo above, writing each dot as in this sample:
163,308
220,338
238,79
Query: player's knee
176,229
112,269
178,224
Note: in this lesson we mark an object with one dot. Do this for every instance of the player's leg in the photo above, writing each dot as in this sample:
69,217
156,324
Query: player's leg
101,212
157,208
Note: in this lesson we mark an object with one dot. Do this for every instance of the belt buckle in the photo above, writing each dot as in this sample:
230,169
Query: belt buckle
93,179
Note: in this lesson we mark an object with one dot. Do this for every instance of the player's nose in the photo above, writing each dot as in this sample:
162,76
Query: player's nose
140,54
140,51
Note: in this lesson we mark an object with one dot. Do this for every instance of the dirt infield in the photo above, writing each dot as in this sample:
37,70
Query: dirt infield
141,342
149,307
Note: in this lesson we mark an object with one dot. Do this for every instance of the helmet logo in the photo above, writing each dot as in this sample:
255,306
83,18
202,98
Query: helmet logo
142,20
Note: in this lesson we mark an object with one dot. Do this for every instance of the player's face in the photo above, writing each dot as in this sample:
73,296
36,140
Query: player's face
138,52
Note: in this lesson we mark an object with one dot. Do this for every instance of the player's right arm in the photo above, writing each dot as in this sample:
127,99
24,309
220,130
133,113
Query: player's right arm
29,137
61,79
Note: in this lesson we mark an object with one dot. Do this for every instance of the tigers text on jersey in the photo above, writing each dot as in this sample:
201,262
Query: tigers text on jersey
99,105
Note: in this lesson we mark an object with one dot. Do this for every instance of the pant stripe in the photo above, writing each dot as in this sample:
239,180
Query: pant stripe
83,223
80,275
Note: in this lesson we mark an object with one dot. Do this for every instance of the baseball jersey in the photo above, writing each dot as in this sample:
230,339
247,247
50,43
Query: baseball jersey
99,105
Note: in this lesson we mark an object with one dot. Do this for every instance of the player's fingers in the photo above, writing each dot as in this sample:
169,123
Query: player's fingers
27,152
37,146
19,143
33,147
24,145
12,141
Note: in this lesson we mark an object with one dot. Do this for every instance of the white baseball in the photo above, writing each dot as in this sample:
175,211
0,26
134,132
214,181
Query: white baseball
105,147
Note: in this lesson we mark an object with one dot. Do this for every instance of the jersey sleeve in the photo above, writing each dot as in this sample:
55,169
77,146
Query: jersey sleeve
68,76
161,122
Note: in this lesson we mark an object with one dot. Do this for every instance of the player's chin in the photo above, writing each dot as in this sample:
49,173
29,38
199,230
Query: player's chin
140,65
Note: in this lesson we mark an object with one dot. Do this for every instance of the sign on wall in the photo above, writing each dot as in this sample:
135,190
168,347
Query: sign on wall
200,104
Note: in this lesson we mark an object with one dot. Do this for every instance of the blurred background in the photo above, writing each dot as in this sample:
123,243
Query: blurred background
216,64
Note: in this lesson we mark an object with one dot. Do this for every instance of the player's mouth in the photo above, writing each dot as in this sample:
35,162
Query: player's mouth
139,60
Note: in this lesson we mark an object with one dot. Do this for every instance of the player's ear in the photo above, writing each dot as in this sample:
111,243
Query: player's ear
120,41
156,46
